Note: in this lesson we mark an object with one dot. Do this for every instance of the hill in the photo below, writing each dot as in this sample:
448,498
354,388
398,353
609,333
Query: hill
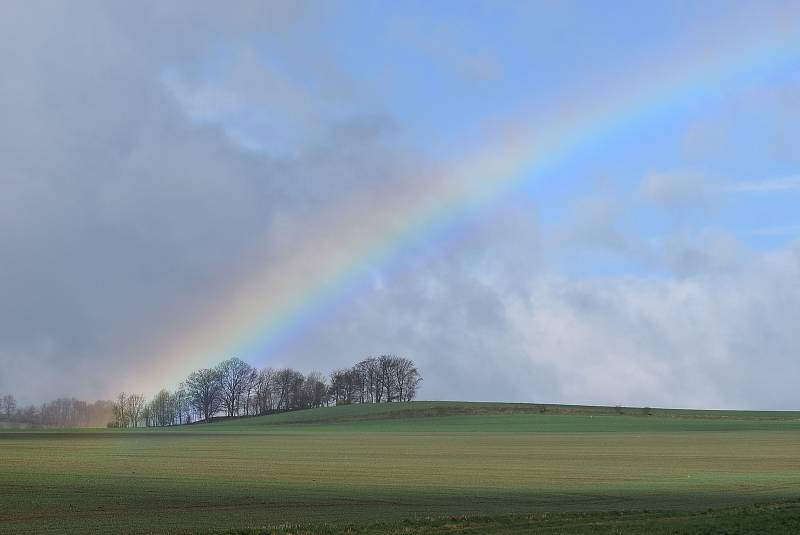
469,467
452,416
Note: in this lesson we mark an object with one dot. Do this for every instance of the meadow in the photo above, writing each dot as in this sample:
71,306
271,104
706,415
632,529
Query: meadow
422,467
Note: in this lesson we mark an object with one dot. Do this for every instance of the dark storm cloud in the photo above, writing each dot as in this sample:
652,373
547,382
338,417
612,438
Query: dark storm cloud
121,213
117,213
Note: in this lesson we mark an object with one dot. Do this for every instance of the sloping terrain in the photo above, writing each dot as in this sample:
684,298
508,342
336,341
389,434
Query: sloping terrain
448,416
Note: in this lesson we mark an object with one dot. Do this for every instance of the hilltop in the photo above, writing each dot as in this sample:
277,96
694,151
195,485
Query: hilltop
457,416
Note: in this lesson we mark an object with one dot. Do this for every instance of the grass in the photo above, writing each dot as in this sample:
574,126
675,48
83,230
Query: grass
392,467
773,518
443,416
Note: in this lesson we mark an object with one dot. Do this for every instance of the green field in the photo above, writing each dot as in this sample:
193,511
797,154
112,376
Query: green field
410,468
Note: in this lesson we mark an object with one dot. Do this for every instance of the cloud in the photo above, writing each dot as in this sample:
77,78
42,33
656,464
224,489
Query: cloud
716,340
121,216
263,104
114,210
677,189
723,341
702,252
597,223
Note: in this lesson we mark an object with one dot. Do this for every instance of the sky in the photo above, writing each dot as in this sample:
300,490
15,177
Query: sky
566,202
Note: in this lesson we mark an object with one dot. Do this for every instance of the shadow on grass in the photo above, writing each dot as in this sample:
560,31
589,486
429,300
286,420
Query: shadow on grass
769,518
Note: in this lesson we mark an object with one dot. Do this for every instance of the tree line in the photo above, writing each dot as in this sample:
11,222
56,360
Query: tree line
235,388
62,412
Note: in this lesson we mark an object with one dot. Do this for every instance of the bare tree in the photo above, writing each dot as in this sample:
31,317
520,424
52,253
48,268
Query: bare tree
265,391
238,388
386,365
406,378
148,415
29,414
288,386
296,400
387,378
162,409
343,387
136,403
314,390
233,376
71,412
369,371
249,391
181,406
120,411
338,388
412,382
204,390
8,405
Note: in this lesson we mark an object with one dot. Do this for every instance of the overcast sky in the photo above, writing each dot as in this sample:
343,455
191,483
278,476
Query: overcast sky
174,169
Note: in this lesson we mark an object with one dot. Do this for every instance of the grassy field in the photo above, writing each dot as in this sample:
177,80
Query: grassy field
392,468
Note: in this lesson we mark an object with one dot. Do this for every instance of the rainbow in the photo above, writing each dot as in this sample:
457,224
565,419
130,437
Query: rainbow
286,296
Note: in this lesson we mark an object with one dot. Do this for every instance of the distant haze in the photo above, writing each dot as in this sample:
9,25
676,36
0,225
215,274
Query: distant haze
166,167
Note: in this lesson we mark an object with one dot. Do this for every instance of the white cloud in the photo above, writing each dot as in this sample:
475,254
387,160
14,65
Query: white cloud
119,216
728,341
701,252
721,340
